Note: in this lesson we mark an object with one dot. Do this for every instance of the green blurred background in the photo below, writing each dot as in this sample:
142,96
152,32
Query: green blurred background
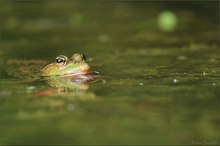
160,60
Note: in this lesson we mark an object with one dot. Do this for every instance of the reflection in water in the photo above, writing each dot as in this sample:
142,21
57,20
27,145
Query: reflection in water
68,85
68,82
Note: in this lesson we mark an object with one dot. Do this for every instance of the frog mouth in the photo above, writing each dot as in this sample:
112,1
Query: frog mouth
74,74
77,72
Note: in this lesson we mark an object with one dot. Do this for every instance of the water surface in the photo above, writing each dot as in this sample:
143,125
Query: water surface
161,80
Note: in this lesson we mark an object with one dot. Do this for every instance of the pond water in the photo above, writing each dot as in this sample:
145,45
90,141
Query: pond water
161,78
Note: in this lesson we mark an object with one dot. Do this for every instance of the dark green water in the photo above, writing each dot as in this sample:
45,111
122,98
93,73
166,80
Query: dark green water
162,78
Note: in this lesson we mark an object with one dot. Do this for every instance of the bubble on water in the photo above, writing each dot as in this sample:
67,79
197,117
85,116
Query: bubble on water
175,81
31,88
204,73
213,84
182,57
141,84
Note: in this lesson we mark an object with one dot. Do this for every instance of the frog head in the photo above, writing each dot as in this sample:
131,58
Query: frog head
63,66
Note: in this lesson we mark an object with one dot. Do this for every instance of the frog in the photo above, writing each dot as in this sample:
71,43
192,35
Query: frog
75,65
67,74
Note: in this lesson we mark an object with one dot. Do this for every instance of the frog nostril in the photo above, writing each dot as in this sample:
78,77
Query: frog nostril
84,57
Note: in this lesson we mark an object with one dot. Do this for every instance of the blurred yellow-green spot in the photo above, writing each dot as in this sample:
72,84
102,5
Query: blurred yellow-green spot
167,21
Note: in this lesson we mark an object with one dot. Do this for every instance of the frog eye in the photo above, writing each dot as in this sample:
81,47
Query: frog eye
61,61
